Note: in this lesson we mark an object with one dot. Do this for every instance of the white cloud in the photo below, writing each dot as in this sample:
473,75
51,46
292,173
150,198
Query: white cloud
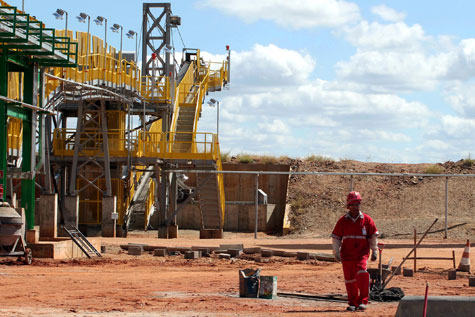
388,14
376,36
271,66
462,99
296,14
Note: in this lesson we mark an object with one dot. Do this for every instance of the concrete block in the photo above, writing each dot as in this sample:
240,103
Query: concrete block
48,216
224,256
289,254
109,220
173,232
252,250
33,235
407,272
452,274
179,249
303,255
211,233
71,214
278,252
218,251
204,251
103,249
437,306
160,252
231,246
135,250
262,260
141,246
471,281
267,253
235,252
192,254
395,268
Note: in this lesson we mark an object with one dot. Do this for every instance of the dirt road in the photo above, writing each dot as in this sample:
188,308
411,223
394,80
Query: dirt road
123,285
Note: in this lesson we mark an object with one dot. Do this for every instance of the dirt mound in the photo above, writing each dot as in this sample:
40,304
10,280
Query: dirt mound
397,204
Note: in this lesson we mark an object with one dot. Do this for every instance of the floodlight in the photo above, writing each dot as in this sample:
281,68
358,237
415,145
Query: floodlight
99,20
82,17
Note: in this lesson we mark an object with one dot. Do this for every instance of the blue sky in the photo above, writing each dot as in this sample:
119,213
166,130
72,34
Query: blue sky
386,81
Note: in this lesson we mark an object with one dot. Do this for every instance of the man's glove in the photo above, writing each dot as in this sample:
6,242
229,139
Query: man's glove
374,255
337,257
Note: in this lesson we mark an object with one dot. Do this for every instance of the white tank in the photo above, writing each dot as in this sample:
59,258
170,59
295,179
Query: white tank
11,225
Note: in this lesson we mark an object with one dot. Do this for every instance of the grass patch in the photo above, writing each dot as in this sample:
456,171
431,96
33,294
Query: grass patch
434,169
225,156
468,162
298,205
267,159
318,158
245,158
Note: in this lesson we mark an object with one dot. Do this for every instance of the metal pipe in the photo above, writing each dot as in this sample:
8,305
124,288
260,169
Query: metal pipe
257,205
27,105
446,206
407,256
324,173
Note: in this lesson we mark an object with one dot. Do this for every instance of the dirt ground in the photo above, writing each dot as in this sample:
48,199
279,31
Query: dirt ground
123,285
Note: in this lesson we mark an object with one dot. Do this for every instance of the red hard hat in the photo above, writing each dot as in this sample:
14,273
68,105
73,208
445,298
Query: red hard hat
353,197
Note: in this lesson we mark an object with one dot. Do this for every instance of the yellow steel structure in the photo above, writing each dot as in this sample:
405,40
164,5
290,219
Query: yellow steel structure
99,66
104,69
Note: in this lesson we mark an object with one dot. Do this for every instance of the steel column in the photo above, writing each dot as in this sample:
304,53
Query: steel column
3,121
105,148
30,92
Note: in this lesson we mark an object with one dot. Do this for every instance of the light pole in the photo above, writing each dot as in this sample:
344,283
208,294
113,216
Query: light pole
99,21
131,35
59,16
82,18
115,28
213,102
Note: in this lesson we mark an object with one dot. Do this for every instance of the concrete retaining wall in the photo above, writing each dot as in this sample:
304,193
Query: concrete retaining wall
240,194
236,218
437,306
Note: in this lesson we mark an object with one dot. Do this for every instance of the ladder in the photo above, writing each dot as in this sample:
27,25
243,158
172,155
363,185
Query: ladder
81,241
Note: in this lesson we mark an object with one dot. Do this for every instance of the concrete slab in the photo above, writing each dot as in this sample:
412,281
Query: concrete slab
211,233
303,255
192,254
231,246
60,249
235,252
135,250
437,306
160,252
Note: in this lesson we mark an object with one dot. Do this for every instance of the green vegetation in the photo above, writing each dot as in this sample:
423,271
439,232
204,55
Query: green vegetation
267,159
434,169
468,162
225,156
318,158
298,205
245,158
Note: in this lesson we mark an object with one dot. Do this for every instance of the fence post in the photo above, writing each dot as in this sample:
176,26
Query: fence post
446,205
351,183
257,205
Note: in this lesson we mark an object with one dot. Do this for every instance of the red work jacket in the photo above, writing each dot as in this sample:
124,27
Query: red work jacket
354,236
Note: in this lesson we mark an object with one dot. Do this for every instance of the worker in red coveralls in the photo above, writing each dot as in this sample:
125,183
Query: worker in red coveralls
354,235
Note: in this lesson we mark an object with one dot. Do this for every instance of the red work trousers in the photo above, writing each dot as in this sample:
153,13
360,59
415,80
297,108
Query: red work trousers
356,278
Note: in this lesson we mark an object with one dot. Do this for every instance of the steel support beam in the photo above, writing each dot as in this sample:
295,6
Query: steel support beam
3,121
30,93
